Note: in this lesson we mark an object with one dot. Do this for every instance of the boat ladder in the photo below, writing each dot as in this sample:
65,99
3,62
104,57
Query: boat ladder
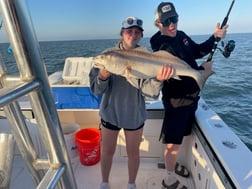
54,171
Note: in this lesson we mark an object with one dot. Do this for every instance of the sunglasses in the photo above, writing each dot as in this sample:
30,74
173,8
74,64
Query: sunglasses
132,21
168,21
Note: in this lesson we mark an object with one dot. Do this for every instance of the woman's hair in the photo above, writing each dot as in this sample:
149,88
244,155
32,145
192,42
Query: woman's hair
124,29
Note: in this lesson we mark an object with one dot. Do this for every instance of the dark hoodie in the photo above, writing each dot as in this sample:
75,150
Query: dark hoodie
178,93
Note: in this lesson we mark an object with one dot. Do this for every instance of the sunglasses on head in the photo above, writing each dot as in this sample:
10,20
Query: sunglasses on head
168,21
131,21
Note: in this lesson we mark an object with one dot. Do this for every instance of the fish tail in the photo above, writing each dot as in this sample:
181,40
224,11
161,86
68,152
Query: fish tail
203,78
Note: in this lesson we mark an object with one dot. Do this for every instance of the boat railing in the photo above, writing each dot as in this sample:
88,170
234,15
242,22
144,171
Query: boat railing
55,170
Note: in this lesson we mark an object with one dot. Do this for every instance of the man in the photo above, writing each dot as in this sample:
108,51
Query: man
180,97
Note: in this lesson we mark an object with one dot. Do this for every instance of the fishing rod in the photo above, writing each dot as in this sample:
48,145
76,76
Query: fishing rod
224,22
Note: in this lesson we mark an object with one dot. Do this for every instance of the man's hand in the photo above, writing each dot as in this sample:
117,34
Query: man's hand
165,73
220,32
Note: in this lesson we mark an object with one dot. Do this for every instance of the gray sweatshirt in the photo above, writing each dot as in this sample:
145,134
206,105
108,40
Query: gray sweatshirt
123,104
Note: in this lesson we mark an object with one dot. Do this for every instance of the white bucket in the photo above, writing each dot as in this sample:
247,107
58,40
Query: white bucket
69,130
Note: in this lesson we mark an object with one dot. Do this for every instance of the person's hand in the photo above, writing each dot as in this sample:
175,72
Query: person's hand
165,73
220,32
103,74
207,69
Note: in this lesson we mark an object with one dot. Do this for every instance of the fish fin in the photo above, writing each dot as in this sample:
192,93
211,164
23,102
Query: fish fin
170,56
143,49
164,53
127,72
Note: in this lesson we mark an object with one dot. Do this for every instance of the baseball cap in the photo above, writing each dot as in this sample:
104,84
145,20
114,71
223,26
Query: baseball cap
164,11
131,22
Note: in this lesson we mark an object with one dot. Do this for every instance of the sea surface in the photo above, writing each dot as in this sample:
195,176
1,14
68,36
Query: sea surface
228,91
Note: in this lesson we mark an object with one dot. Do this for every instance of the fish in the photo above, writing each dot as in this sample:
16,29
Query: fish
145,65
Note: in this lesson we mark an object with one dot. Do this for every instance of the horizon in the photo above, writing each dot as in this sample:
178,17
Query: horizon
207,35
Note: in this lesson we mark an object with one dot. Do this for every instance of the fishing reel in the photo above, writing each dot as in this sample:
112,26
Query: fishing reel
228,48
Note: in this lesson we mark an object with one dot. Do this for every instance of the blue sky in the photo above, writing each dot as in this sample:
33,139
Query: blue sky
100,19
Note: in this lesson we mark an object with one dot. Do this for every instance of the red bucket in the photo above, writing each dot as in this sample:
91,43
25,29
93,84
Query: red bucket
88,144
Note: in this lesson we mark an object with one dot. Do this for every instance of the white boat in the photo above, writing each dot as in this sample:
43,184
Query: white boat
38,156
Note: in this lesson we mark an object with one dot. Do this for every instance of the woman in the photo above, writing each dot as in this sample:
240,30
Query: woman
180,97
123,105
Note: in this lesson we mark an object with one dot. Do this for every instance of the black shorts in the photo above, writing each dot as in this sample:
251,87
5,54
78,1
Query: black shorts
177,124
115,128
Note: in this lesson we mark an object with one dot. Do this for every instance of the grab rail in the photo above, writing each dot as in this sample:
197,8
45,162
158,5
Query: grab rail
33,82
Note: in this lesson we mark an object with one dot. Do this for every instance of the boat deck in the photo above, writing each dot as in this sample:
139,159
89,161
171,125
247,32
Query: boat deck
89,177
210,168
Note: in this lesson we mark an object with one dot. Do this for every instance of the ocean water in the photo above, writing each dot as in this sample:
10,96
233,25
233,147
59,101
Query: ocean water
228,91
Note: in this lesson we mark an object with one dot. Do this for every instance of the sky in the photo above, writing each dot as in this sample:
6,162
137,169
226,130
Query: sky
99,19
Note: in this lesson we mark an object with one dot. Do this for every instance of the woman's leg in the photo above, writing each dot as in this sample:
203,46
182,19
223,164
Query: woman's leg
133,140
108,146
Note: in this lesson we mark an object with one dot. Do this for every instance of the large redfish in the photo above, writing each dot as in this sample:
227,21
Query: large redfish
142,64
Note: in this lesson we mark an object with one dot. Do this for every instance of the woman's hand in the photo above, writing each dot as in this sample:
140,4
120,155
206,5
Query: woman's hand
103,74
165,73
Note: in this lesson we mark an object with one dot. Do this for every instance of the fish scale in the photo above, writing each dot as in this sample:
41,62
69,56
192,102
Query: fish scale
145,65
